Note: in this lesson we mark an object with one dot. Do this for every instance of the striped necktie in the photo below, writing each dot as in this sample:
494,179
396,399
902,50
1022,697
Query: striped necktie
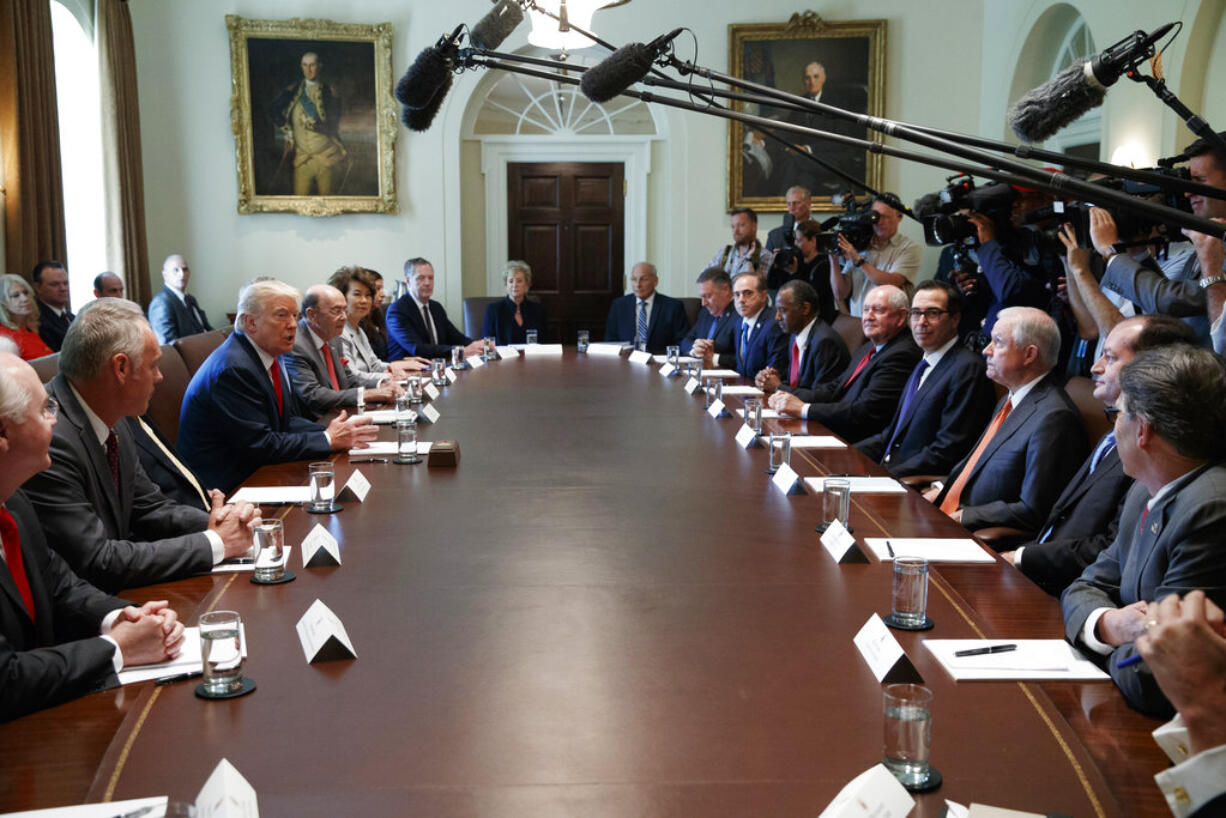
640,331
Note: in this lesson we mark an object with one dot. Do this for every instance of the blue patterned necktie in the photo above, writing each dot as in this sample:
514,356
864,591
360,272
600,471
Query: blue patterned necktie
640,332
907,398
744,351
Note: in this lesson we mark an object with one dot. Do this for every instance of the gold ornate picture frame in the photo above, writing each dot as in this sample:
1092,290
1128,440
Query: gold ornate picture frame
313,116
851,59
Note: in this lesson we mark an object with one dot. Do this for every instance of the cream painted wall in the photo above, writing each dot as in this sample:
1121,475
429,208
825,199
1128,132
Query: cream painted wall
949,64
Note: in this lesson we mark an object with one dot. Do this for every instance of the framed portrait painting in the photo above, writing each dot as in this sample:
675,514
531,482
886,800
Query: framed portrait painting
313,116
838,63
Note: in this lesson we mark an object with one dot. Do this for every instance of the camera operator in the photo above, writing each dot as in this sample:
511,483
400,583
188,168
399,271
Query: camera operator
891,258
803,261
800,206
1194,287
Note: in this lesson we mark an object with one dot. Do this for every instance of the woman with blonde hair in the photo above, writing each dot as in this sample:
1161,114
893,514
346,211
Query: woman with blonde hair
19,317
509,320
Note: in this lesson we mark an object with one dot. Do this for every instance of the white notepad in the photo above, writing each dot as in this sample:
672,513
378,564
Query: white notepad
861,485
930,548
272,495
1033,659
815,441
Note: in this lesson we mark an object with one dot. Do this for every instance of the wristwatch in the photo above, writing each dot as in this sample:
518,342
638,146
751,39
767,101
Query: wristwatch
1211,280
859,262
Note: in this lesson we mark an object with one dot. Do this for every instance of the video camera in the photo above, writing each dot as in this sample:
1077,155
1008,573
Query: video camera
1134,229
856,224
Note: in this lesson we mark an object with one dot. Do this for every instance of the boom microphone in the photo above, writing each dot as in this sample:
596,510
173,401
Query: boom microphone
420,119
623,68
1043,111
496,26
428,73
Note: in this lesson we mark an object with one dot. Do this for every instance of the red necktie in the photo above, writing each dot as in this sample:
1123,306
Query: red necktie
860,367
12,555
954,496
275,372
794,369
327,353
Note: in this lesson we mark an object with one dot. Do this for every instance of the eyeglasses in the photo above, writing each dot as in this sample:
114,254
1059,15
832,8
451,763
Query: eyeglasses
932,313
51,408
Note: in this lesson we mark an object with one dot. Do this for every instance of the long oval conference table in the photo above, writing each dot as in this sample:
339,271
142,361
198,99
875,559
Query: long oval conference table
605,609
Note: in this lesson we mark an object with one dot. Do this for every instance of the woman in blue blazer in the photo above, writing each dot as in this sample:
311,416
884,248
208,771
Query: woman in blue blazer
508,320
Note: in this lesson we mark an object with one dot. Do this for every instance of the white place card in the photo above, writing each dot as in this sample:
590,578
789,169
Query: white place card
717,410
667,369
692,386
874,793
381,417
882,653
384,448
451,375
227,794
507,352
930,548
841,544
542,350
640,357
746,439
766,413
743,391
814,441
430,391
320,548
476,361
356,487
861,485
272,495
428,414
608,350
323,635
985,811
1032,659
787,480
719,373
247,565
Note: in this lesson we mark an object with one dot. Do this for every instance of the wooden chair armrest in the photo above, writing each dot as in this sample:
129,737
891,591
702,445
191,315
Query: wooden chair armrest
1003,538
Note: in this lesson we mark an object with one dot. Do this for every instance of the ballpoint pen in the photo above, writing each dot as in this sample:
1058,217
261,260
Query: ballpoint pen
889,548
985,651
1134,659
178,677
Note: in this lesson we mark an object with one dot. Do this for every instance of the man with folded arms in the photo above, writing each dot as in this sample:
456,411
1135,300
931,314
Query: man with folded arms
1083,521
322,380
758,340
99,509
1035,440
714,332
239,412
1168,429
815,352
862,399
946,401
60,637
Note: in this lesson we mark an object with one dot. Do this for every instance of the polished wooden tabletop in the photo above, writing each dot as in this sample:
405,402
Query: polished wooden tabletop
605,609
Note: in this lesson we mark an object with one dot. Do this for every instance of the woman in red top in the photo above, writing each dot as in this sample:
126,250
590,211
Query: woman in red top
19,317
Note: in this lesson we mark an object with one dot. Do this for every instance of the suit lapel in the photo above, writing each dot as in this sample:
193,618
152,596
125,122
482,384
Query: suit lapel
270,397
1018,416
95,455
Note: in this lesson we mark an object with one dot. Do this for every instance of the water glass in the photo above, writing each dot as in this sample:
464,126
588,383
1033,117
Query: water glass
910,602
221,651
908,733
269,551
360,407
406,441
780,451
713,390
488,350
836,501
674,355
531,336
753,414
640,345
439,367
457,357
584,338
414,390
322,489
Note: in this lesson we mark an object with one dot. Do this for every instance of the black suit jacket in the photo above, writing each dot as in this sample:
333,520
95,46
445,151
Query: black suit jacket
1032,455
172,319
499,321
727,324
666,326
51,327
58,656
230,426
767,347
407,333
168,477
112,540
1083,522
857,411
825,357
945,419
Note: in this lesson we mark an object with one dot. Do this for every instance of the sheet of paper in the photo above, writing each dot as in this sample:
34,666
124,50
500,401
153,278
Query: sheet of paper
610,350
682,359
766,413
272,495
507,352
813,441
861,485
638,357
719,373
226,794
188,661
381,417
383,448
1033,659
542,350
931,549
105,810
874,793
738,389
984,811
228,567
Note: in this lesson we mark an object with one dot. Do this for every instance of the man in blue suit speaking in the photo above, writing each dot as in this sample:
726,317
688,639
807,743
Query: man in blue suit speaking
644,315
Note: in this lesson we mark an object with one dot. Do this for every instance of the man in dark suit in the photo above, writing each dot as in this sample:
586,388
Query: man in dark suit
861,400
852,161
99,509
643,314
108,285
418,326
164,465
814,352
59,636
1035,440
947,400
50,281
1172,410
322,380
174,312
799,200
1084,519
759,341
239,412
715,329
